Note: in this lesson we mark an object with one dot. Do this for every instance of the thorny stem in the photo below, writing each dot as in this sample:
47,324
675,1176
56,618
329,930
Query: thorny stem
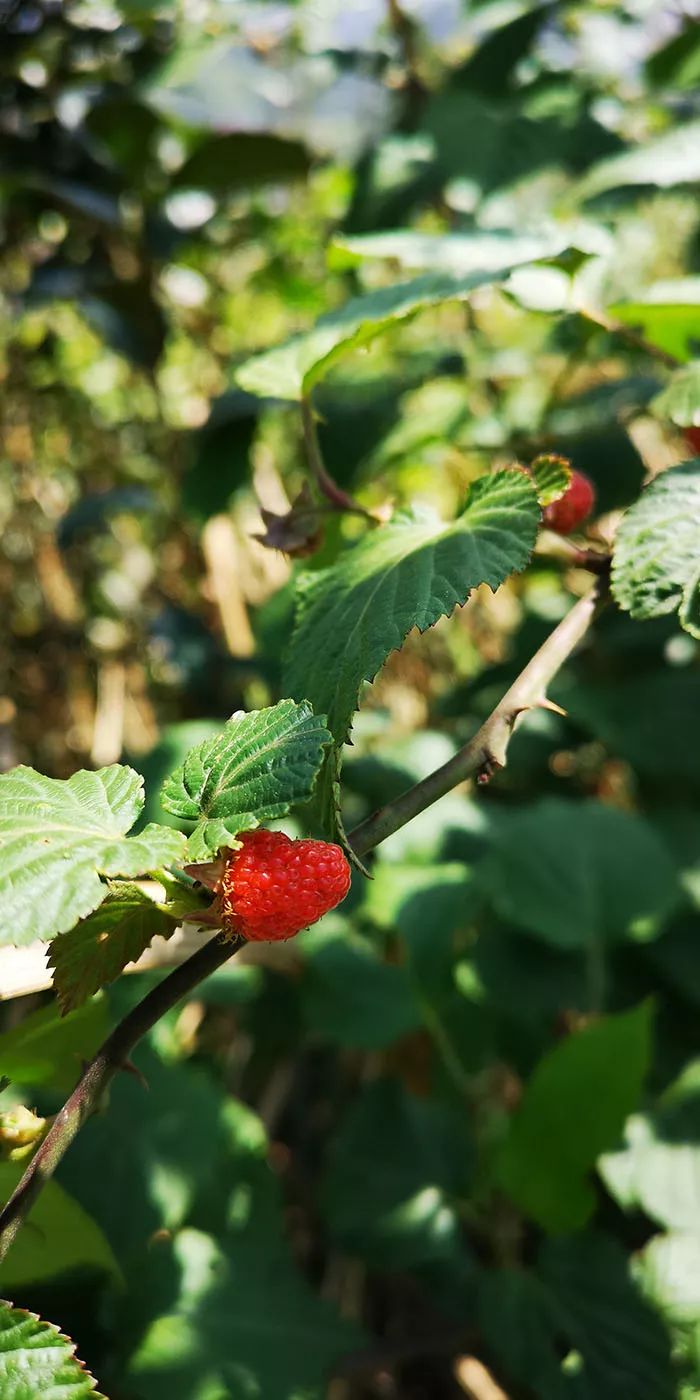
338,498
483,755
112,1056
486,751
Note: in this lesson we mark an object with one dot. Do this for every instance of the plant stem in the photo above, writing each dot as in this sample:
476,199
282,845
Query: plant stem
483,755
112,1057
338,498
486,752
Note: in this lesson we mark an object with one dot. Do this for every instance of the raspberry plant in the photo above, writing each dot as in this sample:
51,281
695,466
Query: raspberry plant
378,868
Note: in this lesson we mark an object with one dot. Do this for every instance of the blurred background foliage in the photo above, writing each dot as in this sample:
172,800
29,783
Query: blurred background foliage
303,1191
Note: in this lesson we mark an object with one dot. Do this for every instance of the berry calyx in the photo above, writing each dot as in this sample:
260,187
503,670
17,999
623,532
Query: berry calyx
272,886
575,506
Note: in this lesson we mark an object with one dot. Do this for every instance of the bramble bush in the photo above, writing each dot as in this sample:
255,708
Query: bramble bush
416,287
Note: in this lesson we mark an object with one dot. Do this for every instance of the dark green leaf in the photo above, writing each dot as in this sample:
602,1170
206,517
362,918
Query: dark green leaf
577,1326
349,995
407,574
94,952
574,1106
222,164
394,1165
48,1049
580,873
56,1237
238,1318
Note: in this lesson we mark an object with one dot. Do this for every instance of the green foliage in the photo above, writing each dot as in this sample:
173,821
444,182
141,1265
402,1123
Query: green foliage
680,400
656,567
463,254
415,570
291,371
259,766
38,1362
46,1049
59,1238
357,1142
58,838
578,874
577,1325
658,1168
669,318
671,159
350,995
551,476
576,1100
393,1170
94,952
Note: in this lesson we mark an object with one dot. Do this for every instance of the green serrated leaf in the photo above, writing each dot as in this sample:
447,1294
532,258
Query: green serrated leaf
260,765
290,371
680,400
551,476
37,1362
57,838
655,564
580,873
93,953
407,574
576,1102
689,611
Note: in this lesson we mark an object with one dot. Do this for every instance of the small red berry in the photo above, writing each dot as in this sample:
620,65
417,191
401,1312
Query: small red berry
573,507
692,437
272,886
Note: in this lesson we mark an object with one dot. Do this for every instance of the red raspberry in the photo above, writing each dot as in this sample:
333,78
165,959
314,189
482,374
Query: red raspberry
272,887
692,437
573,507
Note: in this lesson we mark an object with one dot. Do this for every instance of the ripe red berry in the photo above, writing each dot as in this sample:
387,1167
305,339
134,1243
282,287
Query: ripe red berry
272,886
573,507
692,437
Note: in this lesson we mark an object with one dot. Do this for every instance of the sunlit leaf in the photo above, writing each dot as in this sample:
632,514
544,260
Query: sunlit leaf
680,400
259,766
657,549
38,1362
57,838
671,159
290,371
